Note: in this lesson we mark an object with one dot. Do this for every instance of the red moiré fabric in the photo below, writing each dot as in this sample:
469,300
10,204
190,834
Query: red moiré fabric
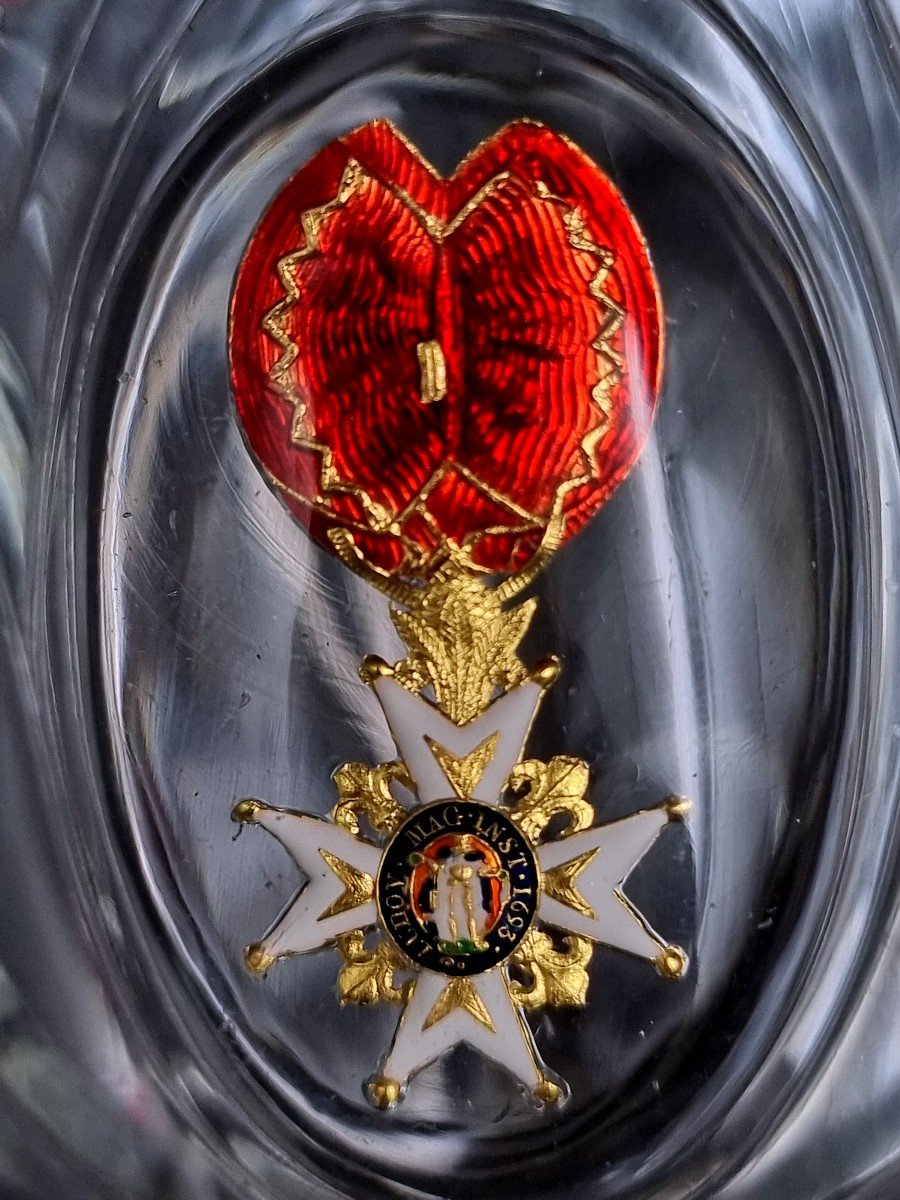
499,266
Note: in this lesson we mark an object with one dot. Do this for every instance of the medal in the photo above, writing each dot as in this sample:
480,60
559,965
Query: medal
443,379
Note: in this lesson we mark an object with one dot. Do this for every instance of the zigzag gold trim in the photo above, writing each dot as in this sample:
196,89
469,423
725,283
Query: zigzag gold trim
380,518
275,320
609,361
369,976
437,229
275,324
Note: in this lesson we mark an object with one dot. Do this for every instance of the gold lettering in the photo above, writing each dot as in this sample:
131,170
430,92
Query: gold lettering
416,835
492,833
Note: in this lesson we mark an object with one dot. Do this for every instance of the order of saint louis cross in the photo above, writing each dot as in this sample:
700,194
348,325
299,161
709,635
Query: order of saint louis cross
442,379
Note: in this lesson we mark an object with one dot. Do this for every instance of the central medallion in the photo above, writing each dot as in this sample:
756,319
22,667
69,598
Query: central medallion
458,887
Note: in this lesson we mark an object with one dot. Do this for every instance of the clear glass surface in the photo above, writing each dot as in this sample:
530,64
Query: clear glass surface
728,622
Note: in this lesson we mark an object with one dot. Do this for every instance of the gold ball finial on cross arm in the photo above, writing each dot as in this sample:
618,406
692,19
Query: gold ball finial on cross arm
671,962
384,1093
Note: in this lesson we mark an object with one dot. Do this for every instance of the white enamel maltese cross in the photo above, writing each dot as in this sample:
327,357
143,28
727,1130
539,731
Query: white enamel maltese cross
466,893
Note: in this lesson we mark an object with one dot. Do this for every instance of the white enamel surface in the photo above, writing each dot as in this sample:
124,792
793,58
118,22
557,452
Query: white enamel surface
412,719
299,929
510,1044
622,844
